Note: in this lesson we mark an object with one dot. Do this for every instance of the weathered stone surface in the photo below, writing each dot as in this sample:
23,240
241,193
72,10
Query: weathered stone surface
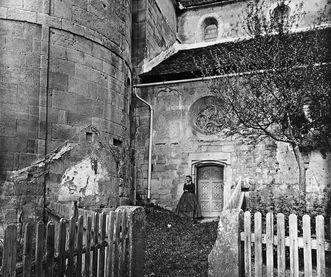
154,32
178,145
229,18
83,170
223,260
75,49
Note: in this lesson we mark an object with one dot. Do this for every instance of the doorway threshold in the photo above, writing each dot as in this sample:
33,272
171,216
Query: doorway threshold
209,219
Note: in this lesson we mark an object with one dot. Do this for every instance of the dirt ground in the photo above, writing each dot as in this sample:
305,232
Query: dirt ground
177,246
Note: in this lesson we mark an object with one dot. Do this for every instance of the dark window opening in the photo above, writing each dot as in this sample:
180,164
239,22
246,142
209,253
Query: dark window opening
210,29
281,13
89,136
117,142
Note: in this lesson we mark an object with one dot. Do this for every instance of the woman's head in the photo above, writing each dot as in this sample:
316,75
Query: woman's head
188,178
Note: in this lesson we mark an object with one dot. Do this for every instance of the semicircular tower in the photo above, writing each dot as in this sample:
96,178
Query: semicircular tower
64,65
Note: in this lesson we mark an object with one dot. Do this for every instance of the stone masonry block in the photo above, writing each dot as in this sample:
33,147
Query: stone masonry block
30,77
19,44
73,27
37,47
58,81
98,109
75,55
42,129
62,66
47,20
63,132
33,59
12,3
13,144
8,93
27,159
22,15
58,51
8,128
3,12
84,72
6,161
62,9
93,62
35,5
31,146
79,86
72,102
11,28
27,128
82,44
62,117
78,119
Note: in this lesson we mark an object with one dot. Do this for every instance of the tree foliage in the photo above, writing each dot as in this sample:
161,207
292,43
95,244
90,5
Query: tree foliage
275,82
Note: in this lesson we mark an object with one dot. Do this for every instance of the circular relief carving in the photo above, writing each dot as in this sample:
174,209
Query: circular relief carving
206,116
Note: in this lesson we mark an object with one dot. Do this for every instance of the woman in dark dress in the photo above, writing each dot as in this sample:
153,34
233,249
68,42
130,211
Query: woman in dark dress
188,204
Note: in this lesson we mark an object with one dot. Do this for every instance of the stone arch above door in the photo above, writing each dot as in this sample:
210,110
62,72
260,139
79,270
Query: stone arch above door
197,160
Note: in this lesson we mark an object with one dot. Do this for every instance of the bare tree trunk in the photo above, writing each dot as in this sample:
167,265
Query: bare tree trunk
301,167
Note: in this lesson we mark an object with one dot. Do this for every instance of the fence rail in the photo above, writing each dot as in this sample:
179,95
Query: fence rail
95,245
275,245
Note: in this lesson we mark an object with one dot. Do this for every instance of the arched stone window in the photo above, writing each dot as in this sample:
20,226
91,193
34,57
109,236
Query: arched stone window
210,29
281,13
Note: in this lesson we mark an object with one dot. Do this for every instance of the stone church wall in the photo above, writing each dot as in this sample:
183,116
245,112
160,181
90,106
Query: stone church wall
230,14
178,144
153,33
64,65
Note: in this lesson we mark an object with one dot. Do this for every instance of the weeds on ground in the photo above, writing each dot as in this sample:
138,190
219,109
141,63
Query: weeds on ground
177,246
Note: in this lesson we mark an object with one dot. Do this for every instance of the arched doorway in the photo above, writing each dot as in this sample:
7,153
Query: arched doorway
210,185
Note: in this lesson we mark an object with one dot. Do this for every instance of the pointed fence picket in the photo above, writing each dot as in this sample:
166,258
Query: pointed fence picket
97,245
277,245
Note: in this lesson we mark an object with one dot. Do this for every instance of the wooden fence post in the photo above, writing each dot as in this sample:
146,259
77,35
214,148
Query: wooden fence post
9,252
50,244
247,244
258,244
294,252
270,244
136,243
110,247
320,252
40,249
27,250
281,262
306,227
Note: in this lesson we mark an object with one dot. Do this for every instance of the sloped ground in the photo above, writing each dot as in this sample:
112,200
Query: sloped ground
176,246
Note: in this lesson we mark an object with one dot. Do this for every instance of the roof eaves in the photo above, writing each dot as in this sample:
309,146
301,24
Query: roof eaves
204,4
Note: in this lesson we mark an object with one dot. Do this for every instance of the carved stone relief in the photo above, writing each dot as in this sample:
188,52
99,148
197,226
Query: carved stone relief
205,116
209,120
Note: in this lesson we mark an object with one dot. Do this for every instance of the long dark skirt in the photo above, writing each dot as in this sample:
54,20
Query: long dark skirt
188,206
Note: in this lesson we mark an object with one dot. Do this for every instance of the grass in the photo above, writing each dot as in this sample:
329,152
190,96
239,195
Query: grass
177,246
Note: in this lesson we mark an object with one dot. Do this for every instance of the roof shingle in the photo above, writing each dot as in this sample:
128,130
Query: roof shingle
189,63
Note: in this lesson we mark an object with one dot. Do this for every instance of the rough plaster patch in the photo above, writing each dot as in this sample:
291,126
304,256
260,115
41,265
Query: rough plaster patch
81,180
318,173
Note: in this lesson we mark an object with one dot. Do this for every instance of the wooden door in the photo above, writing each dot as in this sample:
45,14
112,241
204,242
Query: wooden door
210,189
